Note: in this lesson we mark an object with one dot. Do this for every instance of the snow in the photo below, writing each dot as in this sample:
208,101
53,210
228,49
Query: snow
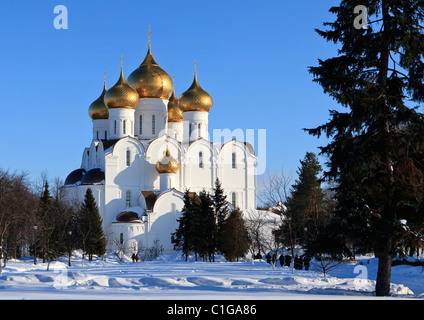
170,277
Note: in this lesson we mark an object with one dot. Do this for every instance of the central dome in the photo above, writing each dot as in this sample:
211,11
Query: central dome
150,80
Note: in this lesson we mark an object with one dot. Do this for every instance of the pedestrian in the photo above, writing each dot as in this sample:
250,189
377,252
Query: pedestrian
136,258
288,260
281,260
306,262
296,262
133,257
268,258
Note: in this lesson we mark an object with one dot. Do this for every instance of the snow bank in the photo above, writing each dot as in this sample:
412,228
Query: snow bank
170,277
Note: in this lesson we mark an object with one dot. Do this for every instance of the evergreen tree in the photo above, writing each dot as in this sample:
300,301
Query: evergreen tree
47,219
305,204
375,150
183,237
205,226
235,238
221,212
92,226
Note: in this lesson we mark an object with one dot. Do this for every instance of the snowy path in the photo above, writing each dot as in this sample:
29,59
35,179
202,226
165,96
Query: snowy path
170,279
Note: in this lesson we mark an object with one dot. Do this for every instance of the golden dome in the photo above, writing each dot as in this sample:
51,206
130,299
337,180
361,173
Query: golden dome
195,98
150,80
121,95
98,109
174,111
167,164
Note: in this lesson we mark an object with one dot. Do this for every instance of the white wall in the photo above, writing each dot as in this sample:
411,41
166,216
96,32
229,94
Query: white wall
146,108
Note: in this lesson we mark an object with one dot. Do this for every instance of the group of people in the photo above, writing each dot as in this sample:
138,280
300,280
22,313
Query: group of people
285,261
134,257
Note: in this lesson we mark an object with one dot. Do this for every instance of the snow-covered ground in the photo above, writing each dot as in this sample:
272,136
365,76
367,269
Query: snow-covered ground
170,277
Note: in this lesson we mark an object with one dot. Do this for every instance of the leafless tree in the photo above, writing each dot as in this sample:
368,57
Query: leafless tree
275,189
255,223
326,263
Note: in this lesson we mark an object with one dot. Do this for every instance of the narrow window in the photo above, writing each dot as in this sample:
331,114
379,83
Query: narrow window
105,135
153,124
200,159
125,126
198,130
189,132
114,126
233,199
121,238
128,158
128,199
97,134
141,124
233,160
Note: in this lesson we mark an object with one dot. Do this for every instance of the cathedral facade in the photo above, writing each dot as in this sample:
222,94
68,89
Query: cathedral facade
148,148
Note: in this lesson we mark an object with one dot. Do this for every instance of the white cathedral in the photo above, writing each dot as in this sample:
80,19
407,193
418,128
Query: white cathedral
148,148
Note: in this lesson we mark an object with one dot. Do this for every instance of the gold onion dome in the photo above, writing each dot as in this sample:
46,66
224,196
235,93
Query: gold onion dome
121,95
167,164
195,98
98,109
150,80
174,111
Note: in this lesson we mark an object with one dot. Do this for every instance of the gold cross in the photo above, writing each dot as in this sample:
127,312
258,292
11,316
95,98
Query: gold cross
104,77
122,59
149,34
195,63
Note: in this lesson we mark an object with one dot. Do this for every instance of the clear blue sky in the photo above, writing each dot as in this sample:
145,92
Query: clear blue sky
252,58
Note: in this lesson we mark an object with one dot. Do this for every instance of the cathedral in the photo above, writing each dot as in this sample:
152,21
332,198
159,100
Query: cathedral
148,148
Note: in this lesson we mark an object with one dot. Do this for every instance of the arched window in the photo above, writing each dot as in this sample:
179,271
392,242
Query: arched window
121,238
141,124
233,160
198,130
153,124
114,127
200,159
128,199
233,199
105,135
128,157
125,126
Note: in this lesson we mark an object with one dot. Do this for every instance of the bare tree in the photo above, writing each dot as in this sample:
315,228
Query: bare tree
255,223
326,263
275,189
272,242
274,195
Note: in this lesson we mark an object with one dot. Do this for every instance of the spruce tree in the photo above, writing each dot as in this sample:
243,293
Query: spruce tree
375,149
305,204
183,237
47,219
205,226
221,212
92,225
235,238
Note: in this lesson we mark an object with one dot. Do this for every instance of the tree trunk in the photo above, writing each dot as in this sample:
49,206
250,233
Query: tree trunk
382,287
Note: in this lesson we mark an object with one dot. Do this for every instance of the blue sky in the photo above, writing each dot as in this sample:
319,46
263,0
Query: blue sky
253,58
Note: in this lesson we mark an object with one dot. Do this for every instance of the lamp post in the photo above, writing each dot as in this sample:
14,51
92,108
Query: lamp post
35,244
69,247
